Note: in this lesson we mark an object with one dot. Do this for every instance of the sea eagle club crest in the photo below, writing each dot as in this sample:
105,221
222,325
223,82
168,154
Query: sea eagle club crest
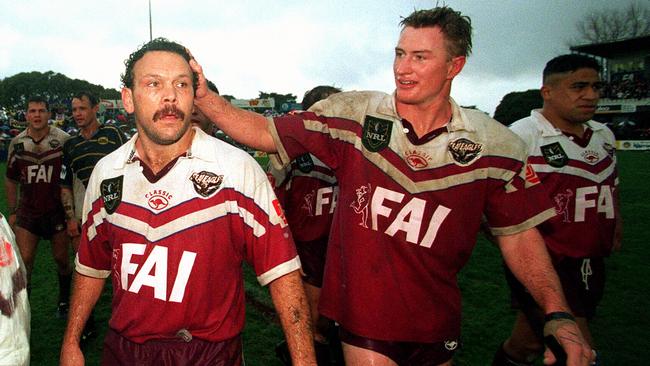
554,155
464,151
111,190
206,183
376,133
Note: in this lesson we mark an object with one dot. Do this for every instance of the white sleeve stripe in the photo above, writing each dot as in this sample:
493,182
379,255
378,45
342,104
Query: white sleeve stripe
570,170
279,271
89,271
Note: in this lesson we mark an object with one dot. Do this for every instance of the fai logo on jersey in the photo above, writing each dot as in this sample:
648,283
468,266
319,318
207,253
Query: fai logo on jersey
590,156
417,159
562,204
376,133
305,163
19,148
111,190
464,151
451,345
280,212
609,149
554,155
102,140
54,143
158,199
206,183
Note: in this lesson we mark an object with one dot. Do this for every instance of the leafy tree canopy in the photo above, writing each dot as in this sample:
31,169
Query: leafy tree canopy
517,105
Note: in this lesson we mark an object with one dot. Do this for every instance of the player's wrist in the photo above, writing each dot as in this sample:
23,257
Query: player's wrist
558,315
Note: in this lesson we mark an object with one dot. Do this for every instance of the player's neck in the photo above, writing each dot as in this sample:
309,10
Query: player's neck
426,117
563,124
158,156
88,131
37,135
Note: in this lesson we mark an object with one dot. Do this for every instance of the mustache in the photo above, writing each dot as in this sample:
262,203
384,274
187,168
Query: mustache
167,110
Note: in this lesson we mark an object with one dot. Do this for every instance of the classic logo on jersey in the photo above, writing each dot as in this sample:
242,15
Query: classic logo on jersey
531,176
451,345
609,149
376,133
206,183
54,143
305,163
102,140
19,148
554,155
158,199
111,190
464,151
590,156
417,159
562,201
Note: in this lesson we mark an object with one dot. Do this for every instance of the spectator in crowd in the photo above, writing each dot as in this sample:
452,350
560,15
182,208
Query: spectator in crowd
80,155
574,159
34,165
416,173
193,208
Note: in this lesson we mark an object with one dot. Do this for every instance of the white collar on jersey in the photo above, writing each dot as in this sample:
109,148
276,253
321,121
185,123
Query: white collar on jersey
547,128
459,120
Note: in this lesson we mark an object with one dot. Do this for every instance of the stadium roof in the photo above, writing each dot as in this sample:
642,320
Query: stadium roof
610,49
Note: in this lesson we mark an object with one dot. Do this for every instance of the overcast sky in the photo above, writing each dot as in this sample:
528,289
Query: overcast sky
287,46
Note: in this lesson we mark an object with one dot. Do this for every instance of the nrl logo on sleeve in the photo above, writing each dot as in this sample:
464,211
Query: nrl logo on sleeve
554,155
111,190
376,133
305,163
206,183
19,148
54,143
464,151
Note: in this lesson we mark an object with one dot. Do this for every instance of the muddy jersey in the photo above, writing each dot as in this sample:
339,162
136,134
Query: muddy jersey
80,155
174,245
36,167
580,175
307,190
408,212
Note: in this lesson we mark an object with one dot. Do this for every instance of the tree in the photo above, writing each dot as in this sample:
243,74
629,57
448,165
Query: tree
56,87
517,105
607,25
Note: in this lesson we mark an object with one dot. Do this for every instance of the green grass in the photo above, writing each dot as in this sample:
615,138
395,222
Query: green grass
619,328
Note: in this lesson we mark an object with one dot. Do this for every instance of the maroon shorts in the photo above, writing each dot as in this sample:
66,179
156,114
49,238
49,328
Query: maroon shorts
44,225
120,351
405,353
312,257
583,283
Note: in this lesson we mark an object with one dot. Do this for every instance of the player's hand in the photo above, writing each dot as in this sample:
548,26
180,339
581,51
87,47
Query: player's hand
11,220
73,227
202,84
568,335
71,355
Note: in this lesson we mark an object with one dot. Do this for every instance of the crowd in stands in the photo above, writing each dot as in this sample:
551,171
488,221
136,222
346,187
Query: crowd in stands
629,88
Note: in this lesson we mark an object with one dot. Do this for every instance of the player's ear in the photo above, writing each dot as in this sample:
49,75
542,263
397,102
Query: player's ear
455,66
127,100
545,92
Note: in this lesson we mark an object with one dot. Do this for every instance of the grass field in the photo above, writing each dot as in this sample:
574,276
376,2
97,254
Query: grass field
619,328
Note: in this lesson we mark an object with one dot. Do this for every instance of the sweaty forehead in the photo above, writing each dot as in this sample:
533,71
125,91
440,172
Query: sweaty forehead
162,63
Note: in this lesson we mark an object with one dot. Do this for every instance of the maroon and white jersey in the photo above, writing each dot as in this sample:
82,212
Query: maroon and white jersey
175,245
580,175
307,190
36,166
409,209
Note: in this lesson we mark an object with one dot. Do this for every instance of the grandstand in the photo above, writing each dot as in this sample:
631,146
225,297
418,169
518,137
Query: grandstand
625,102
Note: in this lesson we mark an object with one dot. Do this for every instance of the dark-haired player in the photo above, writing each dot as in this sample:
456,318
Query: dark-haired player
34,164
308,191
416,173
80,155
170,217
574,158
